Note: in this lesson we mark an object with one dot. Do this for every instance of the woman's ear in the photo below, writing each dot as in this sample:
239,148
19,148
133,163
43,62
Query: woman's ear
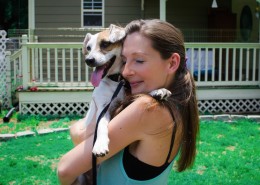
174,62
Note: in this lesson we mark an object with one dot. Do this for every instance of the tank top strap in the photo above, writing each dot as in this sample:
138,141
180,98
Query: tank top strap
172,140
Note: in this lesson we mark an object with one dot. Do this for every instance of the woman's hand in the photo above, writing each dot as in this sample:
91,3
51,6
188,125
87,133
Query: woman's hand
76,162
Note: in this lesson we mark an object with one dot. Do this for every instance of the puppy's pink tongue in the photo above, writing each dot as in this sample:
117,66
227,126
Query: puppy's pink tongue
97,76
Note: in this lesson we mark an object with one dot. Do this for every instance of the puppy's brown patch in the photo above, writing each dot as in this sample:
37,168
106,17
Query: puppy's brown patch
103,40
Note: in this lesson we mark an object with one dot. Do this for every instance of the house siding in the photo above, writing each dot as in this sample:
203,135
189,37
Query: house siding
67,13
187,15
57,13
121,12
152,9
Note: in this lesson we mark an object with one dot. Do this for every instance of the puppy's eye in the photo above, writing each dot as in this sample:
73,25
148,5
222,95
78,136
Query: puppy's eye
123,62
104,44
88,48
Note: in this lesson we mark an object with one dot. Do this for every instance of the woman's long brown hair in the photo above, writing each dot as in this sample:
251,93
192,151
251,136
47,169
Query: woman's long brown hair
182,104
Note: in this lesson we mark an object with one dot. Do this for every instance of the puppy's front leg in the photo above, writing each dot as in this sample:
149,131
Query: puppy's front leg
91,112
161,93
100,148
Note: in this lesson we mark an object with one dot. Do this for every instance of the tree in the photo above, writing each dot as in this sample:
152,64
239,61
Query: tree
13,14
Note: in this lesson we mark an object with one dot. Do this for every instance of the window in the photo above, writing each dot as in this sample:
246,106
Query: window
92,13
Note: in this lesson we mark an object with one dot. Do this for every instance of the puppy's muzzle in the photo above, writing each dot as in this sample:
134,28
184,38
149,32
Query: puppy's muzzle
90,62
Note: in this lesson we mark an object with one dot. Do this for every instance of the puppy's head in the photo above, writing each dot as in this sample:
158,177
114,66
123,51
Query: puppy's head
102,51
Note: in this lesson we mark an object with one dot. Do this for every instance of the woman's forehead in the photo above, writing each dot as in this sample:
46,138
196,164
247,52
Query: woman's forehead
136,41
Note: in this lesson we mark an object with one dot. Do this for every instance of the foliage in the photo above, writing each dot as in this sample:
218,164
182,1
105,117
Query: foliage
13,14
21,117
20,122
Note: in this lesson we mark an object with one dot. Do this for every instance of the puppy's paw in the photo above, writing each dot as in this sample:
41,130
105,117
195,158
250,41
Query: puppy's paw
161,94
100,148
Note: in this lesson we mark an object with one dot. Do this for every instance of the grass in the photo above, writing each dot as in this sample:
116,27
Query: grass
32,160
228,153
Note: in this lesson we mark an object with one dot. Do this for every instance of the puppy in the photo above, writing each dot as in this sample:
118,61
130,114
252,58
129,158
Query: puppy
102,51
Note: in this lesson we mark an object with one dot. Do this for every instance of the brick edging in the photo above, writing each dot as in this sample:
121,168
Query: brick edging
229,117
5,137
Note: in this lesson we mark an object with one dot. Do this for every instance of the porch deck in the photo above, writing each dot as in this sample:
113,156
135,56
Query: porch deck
227,77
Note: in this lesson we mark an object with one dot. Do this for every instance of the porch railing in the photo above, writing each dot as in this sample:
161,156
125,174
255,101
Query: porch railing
224,64
62,64
53,65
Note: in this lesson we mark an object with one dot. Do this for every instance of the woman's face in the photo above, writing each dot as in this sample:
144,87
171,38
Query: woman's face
144,68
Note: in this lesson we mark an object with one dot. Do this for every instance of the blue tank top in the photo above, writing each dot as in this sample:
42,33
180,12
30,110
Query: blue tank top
112,172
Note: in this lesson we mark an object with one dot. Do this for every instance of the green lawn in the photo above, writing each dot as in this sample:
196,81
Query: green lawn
227,154
32,160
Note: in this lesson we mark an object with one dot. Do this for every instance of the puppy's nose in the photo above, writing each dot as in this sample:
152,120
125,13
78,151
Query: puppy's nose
90,62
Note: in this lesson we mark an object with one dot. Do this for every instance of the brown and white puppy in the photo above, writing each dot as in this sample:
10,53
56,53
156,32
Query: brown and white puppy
103,51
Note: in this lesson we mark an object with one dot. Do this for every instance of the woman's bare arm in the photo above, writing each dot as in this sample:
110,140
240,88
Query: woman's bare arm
123,130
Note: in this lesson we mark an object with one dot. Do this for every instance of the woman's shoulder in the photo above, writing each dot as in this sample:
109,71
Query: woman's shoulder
150,111
146,103
149,104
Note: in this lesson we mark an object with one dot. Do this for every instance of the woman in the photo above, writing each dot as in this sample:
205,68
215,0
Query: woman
146,134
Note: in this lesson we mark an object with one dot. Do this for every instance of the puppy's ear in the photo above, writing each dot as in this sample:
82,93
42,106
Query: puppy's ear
87,38
116,33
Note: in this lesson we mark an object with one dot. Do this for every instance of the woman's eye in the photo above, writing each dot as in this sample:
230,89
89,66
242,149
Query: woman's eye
139,61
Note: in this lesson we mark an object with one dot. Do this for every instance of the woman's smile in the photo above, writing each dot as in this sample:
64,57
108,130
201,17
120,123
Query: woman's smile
135,84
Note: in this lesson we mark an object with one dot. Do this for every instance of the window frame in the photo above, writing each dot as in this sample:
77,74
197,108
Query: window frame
102,16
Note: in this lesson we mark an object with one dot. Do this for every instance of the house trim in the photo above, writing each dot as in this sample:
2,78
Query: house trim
31,14
163,10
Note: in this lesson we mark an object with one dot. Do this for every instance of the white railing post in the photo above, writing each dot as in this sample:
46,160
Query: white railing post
25,72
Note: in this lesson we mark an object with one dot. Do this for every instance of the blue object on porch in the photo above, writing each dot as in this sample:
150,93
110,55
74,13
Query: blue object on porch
199,62
202,73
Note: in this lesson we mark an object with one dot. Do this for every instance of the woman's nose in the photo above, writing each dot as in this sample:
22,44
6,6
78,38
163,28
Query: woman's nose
127,70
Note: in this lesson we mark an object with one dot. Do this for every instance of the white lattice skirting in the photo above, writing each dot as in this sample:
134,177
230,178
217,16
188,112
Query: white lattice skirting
205,106
71,103
212,101
55,102
240,101
229,106
70,108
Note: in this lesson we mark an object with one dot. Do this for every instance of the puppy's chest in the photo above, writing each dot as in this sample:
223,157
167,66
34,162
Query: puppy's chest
104,92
